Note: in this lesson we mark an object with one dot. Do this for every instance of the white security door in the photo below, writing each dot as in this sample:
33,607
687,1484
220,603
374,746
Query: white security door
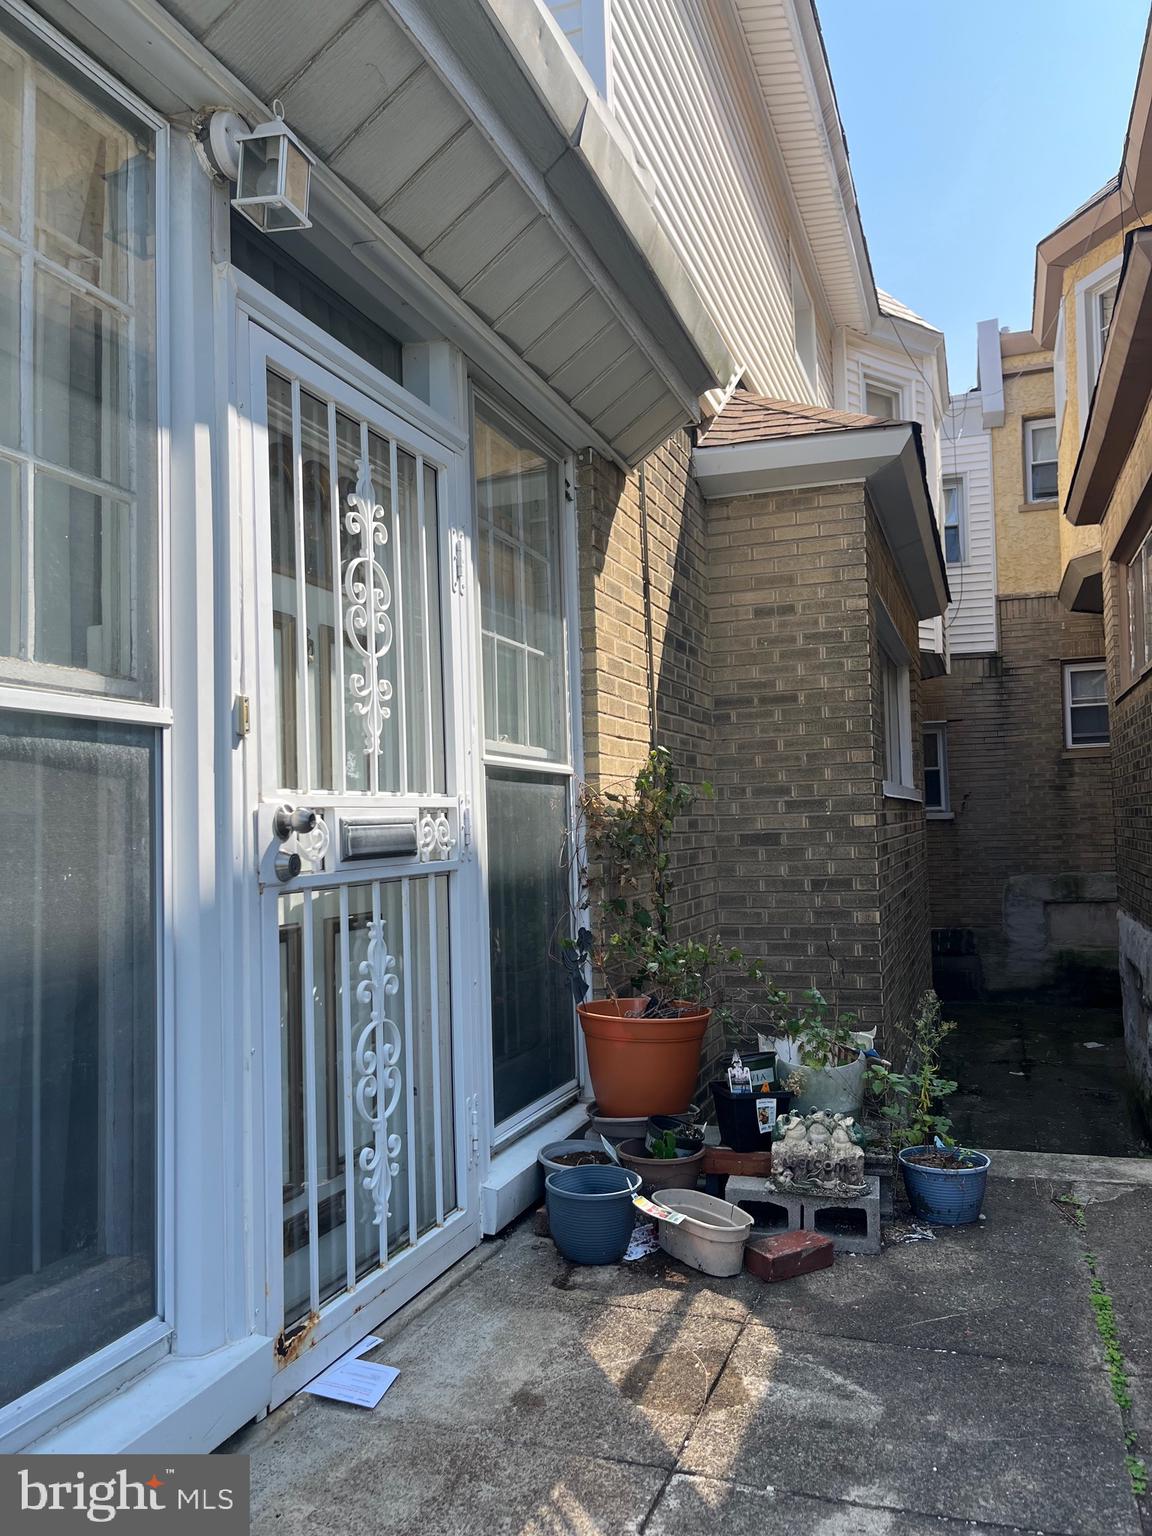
359,732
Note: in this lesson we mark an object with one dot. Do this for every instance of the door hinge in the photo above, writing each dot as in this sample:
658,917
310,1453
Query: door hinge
457,561
465,822
241,716
473,1132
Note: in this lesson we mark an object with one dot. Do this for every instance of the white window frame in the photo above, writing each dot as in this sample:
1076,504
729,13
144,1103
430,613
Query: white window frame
1068,669
1031,427
1088,356
504,1133
78,694
896,709
939,729
883,387
957,483
804,334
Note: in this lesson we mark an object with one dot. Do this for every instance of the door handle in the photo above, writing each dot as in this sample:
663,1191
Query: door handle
290,819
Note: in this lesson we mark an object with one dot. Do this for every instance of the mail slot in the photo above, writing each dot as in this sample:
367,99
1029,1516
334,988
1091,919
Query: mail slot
378,839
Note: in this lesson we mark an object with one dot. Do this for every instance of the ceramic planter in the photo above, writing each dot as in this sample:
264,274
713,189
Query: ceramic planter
945,1197
661,1172
641,1067
711,1238
590,1212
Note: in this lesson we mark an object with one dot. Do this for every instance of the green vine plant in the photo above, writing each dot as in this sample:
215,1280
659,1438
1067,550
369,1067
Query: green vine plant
621,851
909,1102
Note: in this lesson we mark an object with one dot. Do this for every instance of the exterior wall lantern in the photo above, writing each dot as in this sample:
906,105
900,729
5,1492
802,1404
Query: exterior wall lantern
273,176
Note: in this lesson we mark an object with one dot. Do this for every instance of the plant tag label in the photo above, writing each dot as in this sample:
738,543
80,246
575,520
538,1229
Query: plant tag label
739,1080
765,1115
658,1212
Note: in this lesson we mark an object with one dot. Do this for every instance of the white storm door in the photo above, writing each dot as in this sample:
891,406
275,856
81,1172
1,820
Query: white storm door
360,726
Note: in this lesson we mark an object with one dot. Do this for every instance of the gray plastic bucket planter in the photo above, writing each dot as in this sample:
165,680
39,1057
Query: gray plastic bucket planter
945,1197
590,1212
547,1156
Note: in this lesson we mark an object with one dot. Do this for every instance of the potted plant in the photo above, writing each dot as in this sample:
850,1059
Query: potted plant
945,1184
659,988
820,1058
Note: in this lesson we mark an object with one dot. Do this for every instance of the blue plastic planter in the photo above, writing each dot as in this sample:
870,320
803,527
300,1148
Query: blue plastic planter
945,1197
590,1212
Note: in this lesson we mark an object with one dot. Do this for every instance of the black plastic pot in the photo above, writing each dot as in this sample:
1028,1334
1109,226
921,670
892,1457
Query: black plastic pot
736,1115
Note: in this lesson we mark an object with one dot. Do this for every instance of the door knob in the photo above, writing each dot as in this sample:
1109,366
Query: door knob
294,818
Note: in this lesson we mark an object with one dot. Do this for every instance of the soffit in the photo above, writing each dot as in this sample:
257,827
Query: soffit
553,257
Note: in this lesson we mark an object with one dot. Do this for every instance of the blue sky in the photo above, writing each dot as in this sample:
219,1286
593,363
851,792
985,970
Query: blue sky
974,129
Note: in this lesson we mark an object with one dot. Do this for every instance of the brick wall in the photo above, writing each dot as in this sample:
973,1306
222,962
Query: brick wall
902,850
615,648
1032,820
765,671
816,874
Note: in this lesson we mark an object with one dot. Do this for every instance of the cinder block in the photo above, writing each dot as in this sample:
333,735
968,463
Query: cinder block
771,1209
787,1254
852,1224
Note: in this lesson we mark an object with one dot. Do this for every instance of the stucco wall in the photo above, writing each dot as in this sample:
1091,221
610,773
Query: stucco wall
1027,537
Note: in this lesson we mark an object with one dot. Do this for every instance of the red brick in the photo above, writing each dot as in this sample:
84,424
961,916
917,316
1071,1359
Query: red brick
788,1255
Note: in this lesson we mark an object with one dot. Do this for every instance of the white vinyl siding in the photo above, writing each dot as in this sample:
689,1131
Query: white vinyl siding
683,91
966,454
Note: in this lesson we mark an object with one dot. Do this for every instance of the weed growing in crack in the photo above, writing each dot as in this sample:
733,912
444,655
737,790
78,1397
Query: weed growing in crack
1105,1315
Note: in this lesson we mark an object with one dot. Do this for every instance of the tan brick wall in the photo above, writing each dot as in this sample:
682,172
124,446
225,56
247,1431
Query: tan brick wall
902,849
1023,804
765,665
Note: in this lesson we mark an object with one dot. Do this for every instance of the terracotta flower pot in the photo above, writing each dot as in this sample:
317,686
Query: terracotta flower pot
641,1066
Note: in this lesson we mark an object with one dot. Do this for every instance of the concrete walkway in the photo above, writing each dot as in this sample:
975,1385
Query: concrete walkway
947,1386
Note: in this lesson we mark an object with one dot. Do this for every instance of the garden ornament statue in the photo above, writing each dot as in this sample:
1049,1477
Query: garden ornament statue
817,1152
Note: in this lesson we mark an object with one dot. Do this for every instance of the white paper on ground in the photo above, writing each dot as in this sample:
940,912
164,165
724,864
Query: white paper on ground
353,1380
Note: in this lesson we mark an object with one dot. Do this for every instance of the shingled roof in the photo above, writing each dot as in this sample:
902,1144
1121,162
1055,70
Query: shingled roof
749,418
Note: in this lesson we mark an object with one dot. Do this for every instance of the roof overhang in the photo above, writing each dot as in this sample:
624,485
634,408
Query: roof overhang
888,459
465,167
1082,586
1123,390
789,61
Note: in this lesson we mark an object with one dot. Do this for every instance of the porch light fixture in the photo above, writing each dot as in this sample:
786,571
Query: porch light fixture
274,176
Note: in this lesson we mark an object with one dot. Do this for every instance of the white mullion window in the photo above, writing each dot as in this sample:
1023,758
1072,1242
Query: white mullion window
1085,704
1040,466
77,385
955,533
528,764
1139,596
896,708
81,731
937,801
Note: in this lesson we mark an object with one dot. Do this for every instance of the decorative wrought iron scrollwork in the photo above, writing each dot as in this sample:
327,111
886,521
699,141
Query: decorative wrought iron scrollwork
367,600
377,1066
436,839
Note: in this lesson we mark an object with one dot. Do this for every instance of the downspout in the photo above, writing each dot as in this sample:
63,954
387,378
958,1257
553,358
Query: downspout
646,591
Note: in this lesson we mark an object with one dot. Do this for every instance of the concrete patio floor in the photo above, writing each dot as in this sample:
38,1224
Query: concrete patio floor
946,1386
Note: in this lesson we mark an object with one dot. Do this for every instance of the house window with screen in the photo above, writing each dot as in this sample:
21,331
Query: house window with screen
880,400
896,704
1085,704
1139,584
936,768
953,520
1100,306
1040,459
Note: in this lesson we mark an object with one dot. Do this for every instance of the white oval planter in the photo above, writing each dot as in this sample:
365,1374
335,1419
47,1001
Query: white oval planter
839,1090
712,1235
